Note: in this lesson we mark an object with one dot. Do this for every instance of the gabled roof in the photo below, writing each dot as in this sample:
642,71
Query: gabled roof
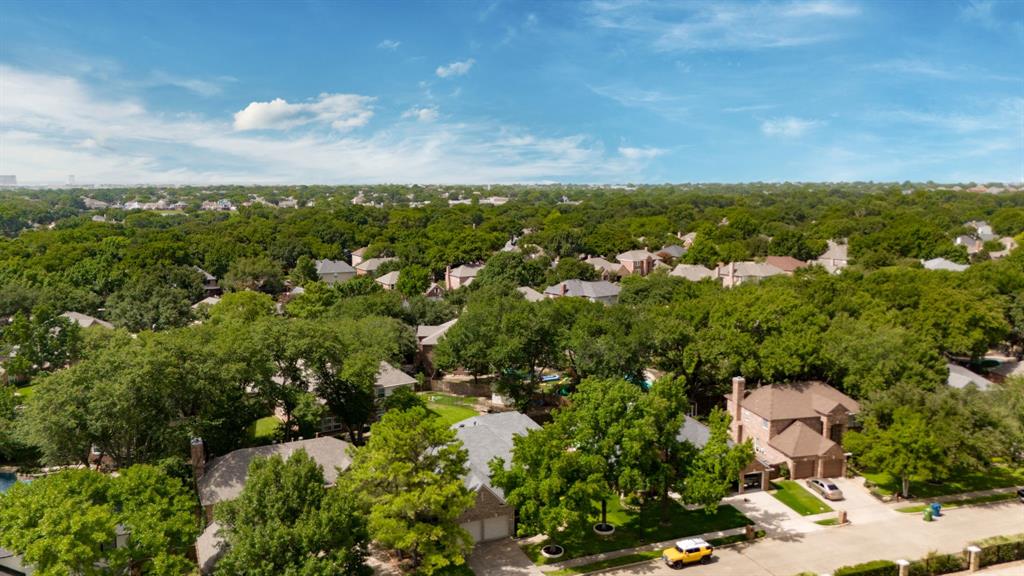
206,275
467,270
748,269
333,267
785,263
960,377
488,436
800,440
225,476
359,251
673,251
835,251
530,294
599,289
796,400
943,264
86,321
434,290
430,335
692,272
696,433
371,264
634,256
389,279
208,301
606,266
390,377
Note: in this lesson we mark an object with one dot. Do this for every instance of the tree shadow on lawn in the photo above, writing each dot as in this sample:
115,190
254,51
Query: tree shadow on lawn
639,528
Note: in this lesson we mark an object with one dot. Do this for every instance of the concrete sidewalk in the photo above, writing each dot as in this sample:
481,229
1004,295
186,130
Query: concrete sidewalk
582,560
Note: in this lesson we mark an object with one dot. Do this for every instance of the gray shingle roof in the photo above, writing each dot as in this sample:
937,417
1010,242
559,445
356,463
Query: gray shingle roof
371,264
598,289
389,377
86,321
225,476
692,272
430,335
943,264
696,433
333,267
634,256
530,294
488,436
960,377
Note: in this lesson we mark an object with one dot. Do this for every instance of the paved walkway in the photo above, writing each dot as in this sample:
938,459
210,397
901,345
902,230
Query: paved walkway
627,551
822,551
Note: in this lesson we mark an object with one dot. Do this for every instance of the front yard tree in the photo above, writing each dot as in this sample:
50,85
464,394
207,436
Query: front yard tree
65,523
907,448
602,420
286,522
716,466
552,487
409,476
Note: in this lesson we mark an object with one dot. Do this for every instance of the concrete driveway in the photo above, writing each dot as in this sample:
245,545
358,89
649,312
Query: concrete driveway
860,506
771,515
501,558
888,537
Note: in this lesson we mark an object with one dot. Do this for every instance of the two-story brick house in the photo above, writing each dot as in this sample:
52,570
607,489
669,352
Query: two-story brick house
799,425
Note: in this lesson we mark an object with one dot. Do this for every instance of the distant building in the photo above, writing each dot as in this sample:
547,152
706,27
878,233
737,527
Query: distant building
736,273
388,281
693,272
639,262
599,291
334,271
455,278
835,258
86,321
943,264
8,180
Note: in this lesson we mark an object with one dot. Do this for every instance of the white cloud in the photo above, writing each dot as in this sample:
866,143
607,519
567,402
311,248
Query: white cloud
725,25
194,85
424,114
55,125
641,153
788,127
341,111
389,45
459,68
749,108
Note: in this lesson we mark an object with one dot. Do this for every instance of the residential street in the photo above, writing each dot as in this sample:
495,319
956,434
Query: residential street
892,536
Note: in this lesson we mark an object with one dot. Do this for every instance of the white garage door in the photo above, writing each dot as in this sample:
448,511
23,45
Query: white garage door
496,528
475,529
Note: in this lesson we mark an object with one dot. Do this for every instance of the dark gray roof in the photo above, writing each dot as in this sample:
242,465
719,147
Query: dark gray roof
696,433
486,437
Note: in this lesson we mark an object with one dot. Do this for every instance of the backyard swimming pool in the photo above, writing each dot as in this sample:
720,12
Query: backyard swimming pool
6,481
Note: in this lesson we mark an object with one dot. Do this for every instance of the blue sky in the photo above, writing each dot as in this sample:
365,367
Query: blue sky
345,92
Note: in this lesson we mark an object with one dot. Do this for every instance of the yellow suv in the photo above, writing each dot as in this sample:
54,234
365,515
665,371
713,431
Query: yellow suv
688,552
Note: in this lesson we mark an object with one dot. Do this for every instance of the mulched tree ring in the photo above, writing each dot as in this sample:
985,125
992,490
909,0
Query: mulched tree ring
603,529
552,551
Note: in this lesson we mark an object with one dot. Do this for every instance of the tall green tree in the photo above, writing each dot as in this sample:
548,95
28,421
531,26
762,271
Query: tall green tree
67,523
286,523
907,448
409,476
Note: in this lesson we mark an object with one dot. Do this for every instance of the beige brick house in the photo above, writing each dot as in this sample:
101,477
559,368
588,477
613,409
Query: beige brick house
799,425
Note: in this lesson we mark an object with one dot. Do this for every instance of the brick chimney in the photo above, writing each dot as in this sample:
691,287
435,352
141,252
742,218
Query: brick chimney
565,288
739,389
198,451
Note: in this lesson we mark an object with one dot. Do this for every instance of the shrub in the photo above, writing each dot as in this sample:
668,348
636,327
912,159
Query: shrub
935,564
874,568
1000,553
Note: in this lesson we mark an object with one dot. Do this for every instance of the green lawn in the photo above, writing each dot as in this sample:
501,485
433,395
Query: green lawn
996,477
264,430
449,407
827,522
26,393
958,503
792,494
643,527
